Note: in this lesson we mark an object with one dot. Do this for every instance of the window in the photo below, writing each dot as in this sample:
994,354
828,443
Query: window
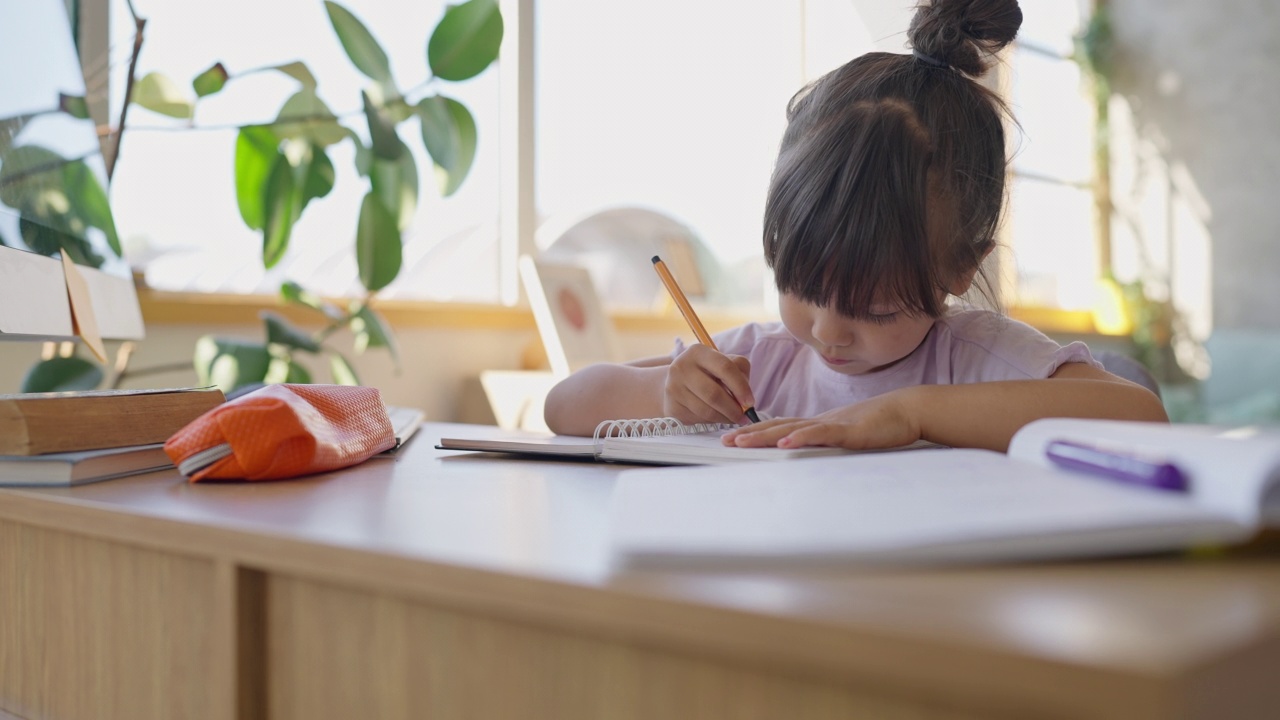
1050,227
632,109
174,192
678,107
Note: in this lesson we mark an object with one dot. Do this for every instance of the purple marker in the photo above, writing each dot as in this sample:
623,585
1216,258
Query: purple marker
1125,467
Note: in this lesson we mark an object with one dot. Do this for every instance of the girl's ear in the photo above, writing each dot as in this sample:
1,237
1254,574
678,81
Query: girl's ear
964,280
962,283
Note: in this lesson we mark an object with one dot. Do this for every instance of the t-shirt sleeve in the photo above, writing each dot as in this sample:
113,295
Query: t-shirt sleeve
736,341
987,347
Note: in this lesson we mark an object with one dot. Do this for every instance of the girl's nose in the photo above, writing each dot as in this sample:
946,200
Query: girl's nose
831,330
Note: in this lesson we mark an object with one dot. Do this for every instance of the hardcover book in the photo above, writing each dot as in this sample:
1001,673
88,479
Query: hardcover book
38,423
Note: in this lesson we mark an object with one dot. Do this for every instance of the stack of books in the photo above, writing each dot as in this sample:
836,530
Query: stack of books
79,437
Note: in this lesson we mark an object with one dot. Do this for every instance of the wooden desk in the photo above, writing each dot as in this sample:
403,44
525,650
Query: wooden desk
456,586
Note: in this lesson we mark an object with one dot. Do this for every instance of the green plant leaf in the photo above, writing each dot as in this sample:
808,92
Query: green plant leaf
383,139
230,363
9,129
280,210
304,115
210,81
370,331
343,373
278,369
55,203
365,52
61,374
395,182
399,110
319,176
158,93
28,173
298,71
287,370
466,41
73,105
449,133
298,374
281,332
257,148
364,156
292,292
378,251
41,240
89,201
408,168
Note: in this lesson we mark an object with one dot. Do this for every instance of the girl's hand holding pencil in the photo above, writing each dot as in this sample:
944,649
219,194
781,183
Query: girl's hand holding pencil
705,385
689,389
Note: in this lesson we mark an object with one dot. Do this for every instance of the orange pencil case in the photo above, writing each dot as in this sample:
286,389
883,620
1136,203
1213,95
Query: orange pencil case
283,431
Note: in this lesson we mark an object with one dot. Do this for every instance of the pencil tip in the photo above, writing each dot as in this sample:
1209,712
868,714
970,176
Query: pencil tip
656,259
752,416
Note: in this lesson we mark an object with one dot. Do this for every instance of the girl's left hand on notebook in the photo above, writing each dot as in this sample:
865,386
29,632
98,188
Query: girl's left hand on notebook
881,422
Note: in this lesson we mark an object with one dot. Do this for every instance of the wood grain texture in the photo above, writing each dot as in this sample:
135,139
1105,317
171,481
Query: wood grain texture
95,629
395,659
237,663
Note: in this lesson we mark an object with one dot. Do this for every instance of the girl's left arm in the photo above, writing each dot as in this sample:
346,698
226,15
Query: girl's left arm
977,415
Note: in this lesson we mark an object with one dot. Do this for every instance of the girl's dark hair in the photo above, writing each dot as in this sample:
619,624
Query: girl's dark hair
891,175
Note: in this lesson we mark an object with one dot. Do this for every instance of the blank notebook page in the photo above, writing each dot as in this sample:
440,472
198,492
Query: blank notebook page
942,504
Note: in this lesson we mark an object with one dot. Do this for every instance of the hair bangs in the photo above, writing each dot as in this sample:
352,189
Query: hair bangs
846,215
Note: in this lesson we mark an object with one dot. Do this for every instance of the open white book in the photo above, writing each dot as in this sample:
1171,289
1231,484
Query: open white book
656,441
956,505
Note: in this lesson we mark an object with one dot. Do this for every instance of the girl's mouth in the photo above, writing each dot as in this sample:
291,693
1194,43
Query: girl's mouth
835,361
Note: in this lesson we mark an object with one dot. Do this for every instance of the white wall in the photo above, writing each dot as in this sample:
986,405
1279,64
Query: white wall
1201,79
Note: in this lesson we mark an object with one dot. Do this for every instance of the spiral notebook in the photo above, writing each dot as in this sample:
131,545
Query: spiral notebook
655,441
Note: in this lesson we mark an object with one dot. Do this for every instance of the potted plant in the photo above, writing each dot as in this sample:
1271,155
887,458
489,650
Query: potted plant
282,166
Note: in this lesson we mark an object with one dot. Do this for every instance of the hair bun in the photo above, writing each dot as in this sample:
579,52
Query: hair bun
964,33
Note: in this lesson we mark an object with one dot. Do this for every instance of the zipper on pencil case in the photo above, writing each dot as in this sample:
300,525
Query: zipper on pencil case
203,459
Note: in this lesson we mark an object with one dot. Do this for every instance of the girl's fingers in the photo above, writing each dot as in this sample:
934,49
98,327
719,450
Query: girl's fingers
712,392
712,386
691,410
736,379
792,433
714,395
732,374
835,434
764,434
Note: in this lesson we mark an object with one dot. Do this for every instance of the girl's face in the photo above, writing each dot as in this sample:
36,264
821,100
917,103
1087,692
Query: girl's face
850,346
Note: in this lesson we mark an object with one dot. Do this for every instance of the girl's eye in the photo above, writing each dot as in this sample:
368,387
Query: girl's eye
884,319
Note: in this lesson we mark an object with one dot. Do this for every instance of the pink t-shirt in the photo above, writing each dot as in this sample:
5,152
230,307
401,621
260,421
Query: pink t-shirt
964,346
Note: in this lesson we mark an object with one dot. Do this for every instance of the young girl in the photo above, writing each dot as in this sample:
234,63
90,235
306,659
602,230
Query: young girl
884,201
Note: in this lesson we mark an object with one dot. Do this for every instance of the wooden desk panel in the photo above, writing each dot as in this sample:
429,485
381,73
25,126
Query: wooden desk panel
478,587
397,659
96,629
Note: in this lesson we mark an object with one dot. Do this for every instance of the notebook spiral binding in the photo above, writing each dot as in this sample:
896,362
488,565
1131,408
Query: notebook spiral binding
653,427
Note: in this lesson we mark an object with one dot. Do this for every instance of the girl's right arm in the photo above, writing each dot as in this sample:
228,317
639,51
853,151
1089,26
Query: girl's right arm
701,385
